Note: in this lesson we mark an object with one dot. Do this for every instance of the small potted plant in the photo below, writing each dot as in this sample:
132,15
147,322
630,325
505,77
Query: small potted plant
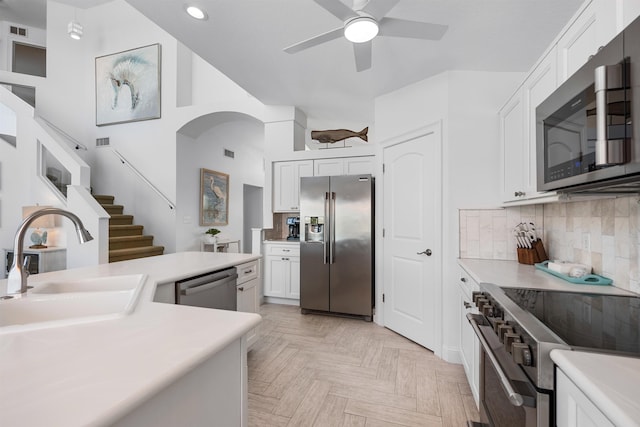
210,235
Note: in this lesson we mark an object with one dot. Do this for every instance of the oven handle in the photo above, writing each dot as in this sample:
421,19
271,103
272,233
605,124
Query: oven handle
515,399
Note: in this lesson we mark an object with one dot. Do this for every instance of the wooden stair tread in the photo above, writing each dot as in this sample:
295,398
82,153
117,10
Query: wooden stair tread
104,198
113,209
121,219
126,240
135,241
133,253
130,238
137,250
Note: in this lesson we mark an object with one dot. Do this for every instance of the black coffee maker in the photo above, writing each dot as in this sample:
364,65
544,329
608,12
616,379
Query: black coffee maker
294,227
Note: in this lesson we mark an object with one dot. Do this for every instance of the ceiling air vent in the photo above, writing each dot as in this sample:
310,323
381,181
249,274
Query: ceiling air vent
229,153
18,31
101,142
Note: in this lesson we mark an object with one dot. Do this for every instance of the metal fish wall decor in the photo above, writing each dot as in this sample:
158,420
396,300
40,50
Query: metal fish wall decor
335,135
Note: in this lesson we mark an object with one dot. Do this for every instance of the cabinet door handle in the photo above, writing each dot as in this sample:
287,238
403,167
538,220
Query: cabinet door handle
241,289
467,304
248,272
286,250
463,279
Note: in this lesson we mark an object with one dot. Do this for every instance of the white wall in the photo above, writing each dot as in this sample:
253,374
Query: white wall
245,137
467,104
68,101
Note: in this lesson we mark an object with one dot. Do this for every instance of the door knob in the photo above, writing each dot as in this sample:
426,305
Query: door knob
426,252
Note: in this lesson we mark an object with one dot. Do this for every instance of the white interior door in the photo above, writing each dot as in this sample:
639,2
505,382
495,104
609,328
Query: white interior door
412,244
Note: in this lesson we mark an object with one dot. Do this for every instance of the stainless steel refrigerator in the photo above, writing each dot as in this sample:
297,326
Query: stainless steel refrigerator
337,245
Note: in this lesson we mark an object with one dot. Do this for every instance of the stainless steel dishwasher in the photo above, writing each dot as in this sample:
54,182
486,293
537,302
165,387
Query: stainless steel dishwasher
211,290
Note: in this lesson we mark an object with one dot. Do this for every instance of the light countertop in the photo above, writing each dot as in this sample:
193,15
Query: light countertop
511,274
93,373
281,241
610,382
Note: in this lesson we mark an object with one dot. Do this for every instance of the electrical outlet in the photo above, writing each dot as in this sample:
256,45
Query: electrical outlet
586,242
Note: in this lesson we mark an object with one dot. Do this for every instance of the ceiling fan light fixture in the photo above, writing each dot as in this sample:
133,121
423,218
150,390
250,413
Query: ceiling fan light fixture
196,12
361,29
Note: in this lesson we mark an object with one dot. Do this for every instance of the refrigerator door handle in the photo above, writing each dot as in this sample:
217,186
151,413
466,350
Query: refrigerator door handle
324,231
332,228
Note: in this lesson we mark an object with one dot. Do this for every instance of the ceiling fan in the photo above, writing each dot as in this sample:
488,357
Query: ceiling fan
365,21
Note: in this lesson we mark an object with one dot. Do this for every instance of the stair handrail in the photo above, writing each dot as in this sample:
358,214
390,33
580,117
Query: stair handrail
143,178
77,144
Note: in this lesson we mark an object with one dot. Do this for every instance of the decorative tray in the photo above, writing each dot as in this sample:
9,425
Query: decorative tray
587,279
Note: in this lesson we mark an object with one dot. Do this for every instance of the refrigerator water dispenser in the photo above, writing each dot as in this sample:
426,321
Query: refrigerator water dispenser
314,229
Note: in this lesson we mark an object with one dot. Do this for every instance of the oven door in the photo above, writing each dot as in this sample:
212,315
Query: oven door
507,397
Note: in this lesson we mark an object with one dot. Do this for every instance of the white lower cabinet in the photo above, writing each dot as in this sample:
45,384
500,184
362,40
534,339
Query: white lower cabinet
248,293
282,272
573,407
469,344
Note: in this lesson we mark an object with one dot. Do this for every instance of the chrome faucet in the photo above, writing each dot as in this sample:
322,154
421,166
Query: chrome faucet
17,279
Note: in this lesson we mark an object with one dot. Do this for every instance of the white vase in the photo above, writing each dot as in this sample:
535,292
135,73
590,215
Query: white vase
210,239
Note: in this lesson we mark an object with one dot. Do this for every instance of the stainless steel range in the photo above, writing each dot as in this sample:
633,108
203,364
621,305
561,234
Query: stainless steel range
518,328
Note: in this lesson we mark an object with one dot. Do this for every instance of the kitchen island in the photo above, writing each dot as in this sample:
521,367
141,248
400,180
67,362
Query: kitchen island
161,365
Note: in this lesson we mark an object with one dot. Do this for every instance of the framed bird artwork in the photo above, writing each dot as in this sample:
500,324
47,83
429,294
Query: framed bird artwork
214,197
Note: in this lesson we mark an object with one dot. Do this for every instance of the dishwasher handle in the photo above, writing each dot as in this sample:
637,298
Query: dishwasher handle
201,284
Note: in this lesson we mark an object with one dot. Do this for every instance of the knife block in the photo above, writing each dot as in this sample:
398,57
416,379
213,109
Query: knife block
532,255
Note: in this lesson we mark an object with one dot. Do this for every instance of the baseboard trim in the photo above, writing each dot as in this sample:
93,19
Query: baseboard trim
286,301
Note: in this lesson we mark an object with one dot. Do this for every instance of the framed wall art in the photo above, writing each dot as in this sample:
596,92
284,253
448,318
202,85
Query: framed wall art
214,197
128,86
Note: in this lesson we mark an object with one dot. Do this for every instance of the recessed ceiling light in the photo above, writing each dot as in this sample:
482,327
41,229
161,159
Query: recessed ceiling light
196,12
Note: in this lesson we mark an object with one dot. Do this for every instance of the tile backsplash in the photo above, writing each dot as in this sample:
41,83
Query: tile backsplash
280,228
603,233
488,233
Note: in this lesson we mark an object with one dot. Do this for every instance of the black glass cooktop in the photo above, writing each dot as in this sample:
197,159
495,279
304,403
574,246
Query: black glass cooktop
593,321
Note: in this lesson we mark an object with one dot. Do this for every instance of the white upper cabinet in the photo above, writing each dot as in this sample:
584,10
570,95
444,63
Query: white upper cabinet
343,166
594,25
593,28
513,156
328,167
358,165
286,184
286,176
536,88
630,11
518,132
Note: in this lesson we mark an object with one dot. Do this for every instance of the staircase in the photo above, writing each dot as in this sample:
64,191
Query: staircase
126,240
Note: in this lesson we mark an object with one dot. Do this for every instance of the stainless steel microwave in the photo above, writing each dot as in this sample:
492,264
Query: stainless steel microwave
585,139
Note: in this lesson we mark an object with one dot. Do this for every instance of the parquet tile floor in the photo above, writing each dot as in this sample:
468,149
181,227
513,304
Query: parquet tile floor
316,370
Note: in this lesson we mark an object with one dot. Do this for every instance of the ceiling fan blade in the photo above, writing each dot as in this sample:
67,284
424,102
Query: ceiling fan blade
416,30
337,9
362,52
314,41
379,8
